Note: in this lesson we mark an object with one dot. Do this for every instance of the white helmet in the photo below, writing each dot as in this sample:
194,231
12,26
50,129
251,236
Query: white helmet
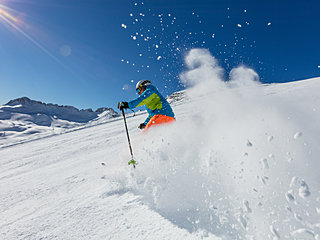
142,83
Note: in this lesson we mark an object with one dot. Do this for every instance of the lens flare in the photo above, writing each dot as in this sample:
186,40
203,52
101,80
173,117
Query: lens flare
6,16
14,21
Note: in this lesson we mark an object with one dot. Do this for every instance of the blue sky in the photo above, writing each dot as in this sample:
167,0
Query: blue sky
90,53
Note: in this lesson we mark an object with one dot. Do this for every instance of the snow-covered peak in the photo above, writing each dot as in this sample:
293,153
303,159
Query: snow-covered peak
177,97
32,106
22,117
106,109
25,105
22,101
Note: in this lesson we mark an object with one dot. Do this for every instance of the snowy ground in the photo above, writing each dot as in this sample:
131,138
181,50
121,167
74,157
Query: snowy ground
56,188
241,162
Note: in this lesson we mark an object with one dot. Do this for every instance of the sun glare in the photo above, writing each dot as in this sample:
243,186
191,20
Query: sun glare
17,24
7,17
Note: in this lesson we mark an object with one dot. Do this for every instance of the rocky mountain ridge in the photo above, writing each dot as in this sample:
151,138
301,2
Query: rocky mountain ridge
25,105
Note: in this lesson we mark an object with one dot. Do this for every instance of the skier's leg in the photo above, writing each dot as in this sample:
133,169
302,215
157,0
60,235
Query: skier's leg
159,119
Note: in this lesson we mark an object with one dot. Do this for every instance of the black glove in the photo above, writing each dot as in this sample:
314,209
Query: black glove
123,105
142,126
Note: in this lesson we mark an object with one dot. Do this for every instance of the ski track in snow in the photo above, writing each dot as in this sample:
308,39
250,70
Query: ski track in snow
241,162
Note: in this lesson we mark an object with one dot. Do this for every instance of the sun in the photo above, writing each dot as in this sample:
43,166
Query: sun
9,19
15,22
6,16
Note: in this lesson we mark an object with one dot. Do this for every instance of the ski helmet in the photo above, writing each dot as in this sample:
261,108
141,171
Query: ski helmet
141,84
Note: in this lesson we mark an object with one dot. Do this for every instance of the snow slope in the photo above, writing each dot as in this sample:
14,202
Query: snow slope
241,162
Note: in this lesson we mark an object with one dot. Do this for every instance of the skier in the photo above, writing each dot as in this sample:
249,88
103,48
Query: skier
159,109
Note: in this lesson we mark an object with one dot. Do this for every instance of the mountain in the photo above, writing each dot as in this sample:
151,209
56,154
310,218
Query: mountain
177,97
27,106
22,117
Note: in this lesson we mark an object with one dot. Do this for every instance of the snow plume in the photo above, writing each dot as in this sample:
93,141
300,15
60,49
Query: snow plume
204,75
243,76
232,166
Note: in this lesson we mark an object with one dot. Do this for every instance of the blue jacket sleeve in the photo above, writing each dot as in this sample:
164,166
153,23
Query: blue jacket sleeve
147,120
135,103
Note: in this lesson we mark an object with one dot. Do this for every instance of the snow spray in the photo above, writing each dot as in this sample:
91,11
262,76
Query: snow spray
234,148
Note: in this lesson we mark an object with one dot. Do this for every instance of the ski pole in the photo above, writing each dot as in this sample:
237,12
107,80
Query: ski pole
132,161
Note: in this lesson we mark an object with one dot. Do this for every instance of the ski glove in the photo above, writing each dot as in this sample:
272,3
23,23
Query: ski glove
123,105
142,126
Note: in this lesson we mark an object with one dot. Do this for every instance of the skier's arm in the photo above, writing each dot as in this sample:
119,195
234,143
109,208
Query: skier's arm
139,101
147,119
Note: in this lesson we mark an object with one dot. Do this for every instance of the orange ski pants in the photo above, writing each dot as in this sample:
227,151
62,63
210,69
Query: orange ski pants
159,119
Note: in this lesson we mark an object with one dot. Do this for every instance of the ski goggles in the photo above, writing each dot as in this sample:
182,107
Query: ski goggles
139,90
